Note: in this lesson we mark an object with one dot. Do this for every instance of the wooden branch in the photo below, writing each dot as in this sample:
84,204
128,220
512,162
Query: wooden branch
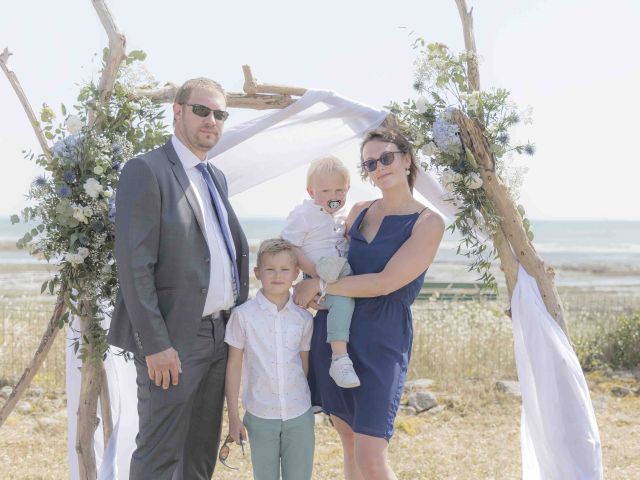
105,408
257,96
13,80
117,43
473,138
466,16
38,357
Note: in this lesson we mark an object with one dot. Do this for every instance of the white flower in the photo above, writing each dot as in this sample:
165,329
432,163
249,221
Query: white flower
449,179
74,124
93,188
429,149
74,258
473,181
106,269
79,213
98,170
83,252
422,105
108,193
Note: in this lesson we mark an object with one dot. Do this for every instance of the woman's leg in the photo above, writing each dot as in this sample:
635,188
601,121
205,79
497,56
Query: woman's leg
371,457
351,471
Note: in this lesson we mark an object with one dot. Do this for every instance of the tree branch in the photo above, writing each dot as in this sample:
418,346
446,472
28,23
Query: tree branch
466,16
117,43
13,80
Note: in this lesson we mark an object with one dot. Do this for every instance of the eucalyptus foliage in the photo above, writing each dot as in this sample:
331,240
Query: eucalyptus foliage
73,202
441,82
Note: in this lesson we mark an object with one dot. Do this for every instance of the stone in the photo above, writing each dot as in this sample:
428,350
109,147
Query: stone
620,391
435,410
601,402
24,407
5,391
623,375
422,401
35,392
407,410
48,422
509,387
421,384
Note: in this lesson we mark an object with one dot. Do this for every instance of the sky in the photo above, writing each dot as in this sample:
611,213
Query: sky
574,62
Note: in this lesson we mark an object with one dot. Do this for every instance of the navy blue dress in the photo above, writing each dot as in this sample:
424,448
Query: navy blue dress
380,338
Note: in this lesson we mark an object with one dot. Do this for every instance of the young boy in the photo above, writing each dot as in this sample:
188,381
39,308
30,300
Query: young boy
271,336
317,227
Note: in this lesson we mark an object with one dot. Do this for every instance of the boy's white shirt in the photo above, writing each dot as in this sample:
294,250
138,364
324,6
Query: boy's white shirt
317,232
274,385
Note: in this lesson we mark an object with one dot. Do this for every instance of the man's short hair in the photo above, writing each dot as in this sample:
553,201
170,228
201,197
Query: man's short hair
326,166
202,83
274,246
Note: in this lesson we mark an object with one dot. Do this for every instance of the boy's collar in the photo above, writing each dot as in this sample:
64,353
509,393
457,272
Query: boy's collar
268,305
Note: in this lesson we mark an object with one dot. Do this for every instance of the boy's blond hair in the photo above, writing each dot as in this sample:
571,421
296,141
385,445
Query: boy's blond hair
273,246
325,166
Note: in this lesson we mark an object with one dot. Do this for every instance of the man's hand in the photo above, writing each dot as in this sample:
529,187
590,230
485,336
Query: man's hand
236,429
164,367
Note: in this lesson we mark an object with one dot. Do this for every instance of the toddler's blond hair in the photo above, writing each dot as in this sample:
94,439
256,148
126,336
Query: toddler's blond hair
325,166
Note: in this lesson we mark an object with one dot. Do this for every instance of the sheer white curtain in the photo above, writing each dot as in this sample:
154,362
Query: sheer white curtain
323,123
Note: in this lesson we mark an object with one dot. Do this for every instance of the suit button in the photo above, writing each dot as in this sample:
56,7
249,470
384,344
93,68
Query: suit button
204,290
206,260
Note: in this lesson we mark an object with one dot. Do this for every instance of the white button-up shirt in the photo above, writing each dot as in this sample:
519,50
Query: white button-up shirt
220,291
274,385
318,232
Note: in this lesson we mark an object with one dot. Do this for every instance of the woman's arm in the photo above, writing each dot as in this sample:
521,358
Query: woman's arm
413,258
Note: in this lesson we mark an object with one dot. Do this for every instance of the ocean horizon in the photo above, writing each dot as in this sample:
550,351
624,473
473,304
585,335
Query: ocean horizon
590,253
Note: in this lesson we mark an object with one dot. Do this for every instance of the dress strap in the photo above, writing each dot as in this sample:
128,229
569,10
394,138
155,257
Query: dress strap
420,212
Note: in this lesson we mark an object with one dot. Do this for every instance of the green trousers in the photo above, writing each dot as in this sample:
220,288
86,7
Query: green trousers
278,445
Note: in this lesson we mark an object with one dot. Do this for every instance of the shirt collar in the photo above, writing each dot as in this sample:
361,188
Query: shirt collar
186,156
310,206
266,304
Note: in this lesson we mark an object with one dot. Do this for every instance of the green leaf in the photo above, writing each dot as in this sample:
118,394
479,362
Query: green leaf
15,219
521,210
136,55
63,109
52,284
44,286
34,232
530,235
40,228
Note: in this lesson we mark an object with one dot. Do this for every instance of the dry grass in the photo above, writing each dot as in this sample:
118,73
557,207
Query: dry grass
465,347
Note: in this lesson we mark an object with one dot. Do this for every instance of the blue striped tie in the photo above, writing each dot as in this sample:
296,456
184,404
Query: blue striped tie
224,226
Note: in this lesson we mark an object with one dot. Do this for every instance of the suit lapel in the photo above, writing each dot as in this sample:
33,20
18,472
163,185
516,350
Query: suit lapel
183,180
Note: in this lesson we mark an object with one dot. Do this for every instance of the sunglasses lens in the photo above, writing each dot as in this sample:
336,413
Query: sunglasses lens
201,110
370,165
387,158
220,115
224,453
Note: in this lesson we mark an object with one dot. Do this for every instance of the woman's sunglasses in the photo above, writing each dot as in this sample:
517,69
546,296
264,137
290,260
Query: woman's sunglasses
204,112
386,159
225,450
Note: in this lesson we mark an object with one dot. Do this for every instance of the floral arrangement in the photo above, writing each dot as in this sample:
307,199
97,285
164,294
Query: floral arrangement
73,202
440,79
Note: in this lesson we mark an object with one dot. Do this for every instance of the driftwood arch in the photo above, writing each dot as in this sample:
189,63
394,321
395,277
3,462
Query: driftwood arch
511,241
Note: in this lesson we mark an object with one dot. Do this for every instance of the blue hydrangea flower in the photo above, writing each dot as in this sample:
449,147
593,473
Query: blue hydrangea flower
446,136
64,191
69,176
116,166
68,149
530,149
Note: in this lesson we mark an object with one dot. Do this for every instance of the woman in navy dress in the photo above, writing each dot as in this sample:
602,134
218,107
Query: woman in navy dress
393,241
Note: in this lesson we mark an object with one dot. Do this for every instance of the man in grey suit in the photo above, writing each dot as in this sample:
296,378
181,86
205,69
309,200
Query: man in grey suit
182,263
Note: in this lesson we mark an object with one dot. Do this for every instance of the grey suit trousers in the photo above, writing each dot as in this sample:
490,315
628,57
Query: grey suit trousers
179,431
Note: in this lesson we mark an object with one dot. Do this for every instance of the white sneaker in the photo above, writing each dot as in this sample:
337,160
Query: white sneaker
342,372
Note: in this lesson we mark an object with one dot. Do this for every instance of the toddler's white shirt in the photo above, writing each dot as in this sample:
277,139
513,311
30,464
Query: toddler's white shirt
317,232
274,385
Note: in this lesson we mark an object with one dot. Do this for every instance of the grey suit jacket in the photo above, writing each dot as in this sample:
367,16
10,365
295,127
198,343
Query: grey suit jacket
162,255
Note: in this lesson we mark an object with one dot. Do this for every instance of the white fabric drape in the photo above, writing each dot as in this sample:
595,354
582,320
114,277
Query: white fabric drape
322,123
559,434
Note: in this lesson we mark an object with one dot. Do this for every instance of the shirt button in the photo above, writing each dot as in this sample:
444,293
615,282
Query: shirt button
204,290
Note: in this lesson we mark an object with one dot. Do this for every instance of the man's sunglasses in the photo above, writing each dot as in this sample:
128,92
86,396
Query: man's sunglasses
225,450
386,159
204,112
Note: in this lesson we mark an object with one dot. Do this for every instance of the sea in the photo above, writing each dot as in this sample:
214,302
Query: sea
584,253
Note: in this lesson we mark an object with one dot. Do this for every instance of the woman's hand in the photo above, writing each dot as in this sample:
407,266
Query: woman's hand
236,429
305,291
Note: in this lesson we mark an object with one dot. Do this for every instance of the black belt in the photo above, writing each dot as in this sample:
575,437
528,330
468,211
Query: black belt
219,315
